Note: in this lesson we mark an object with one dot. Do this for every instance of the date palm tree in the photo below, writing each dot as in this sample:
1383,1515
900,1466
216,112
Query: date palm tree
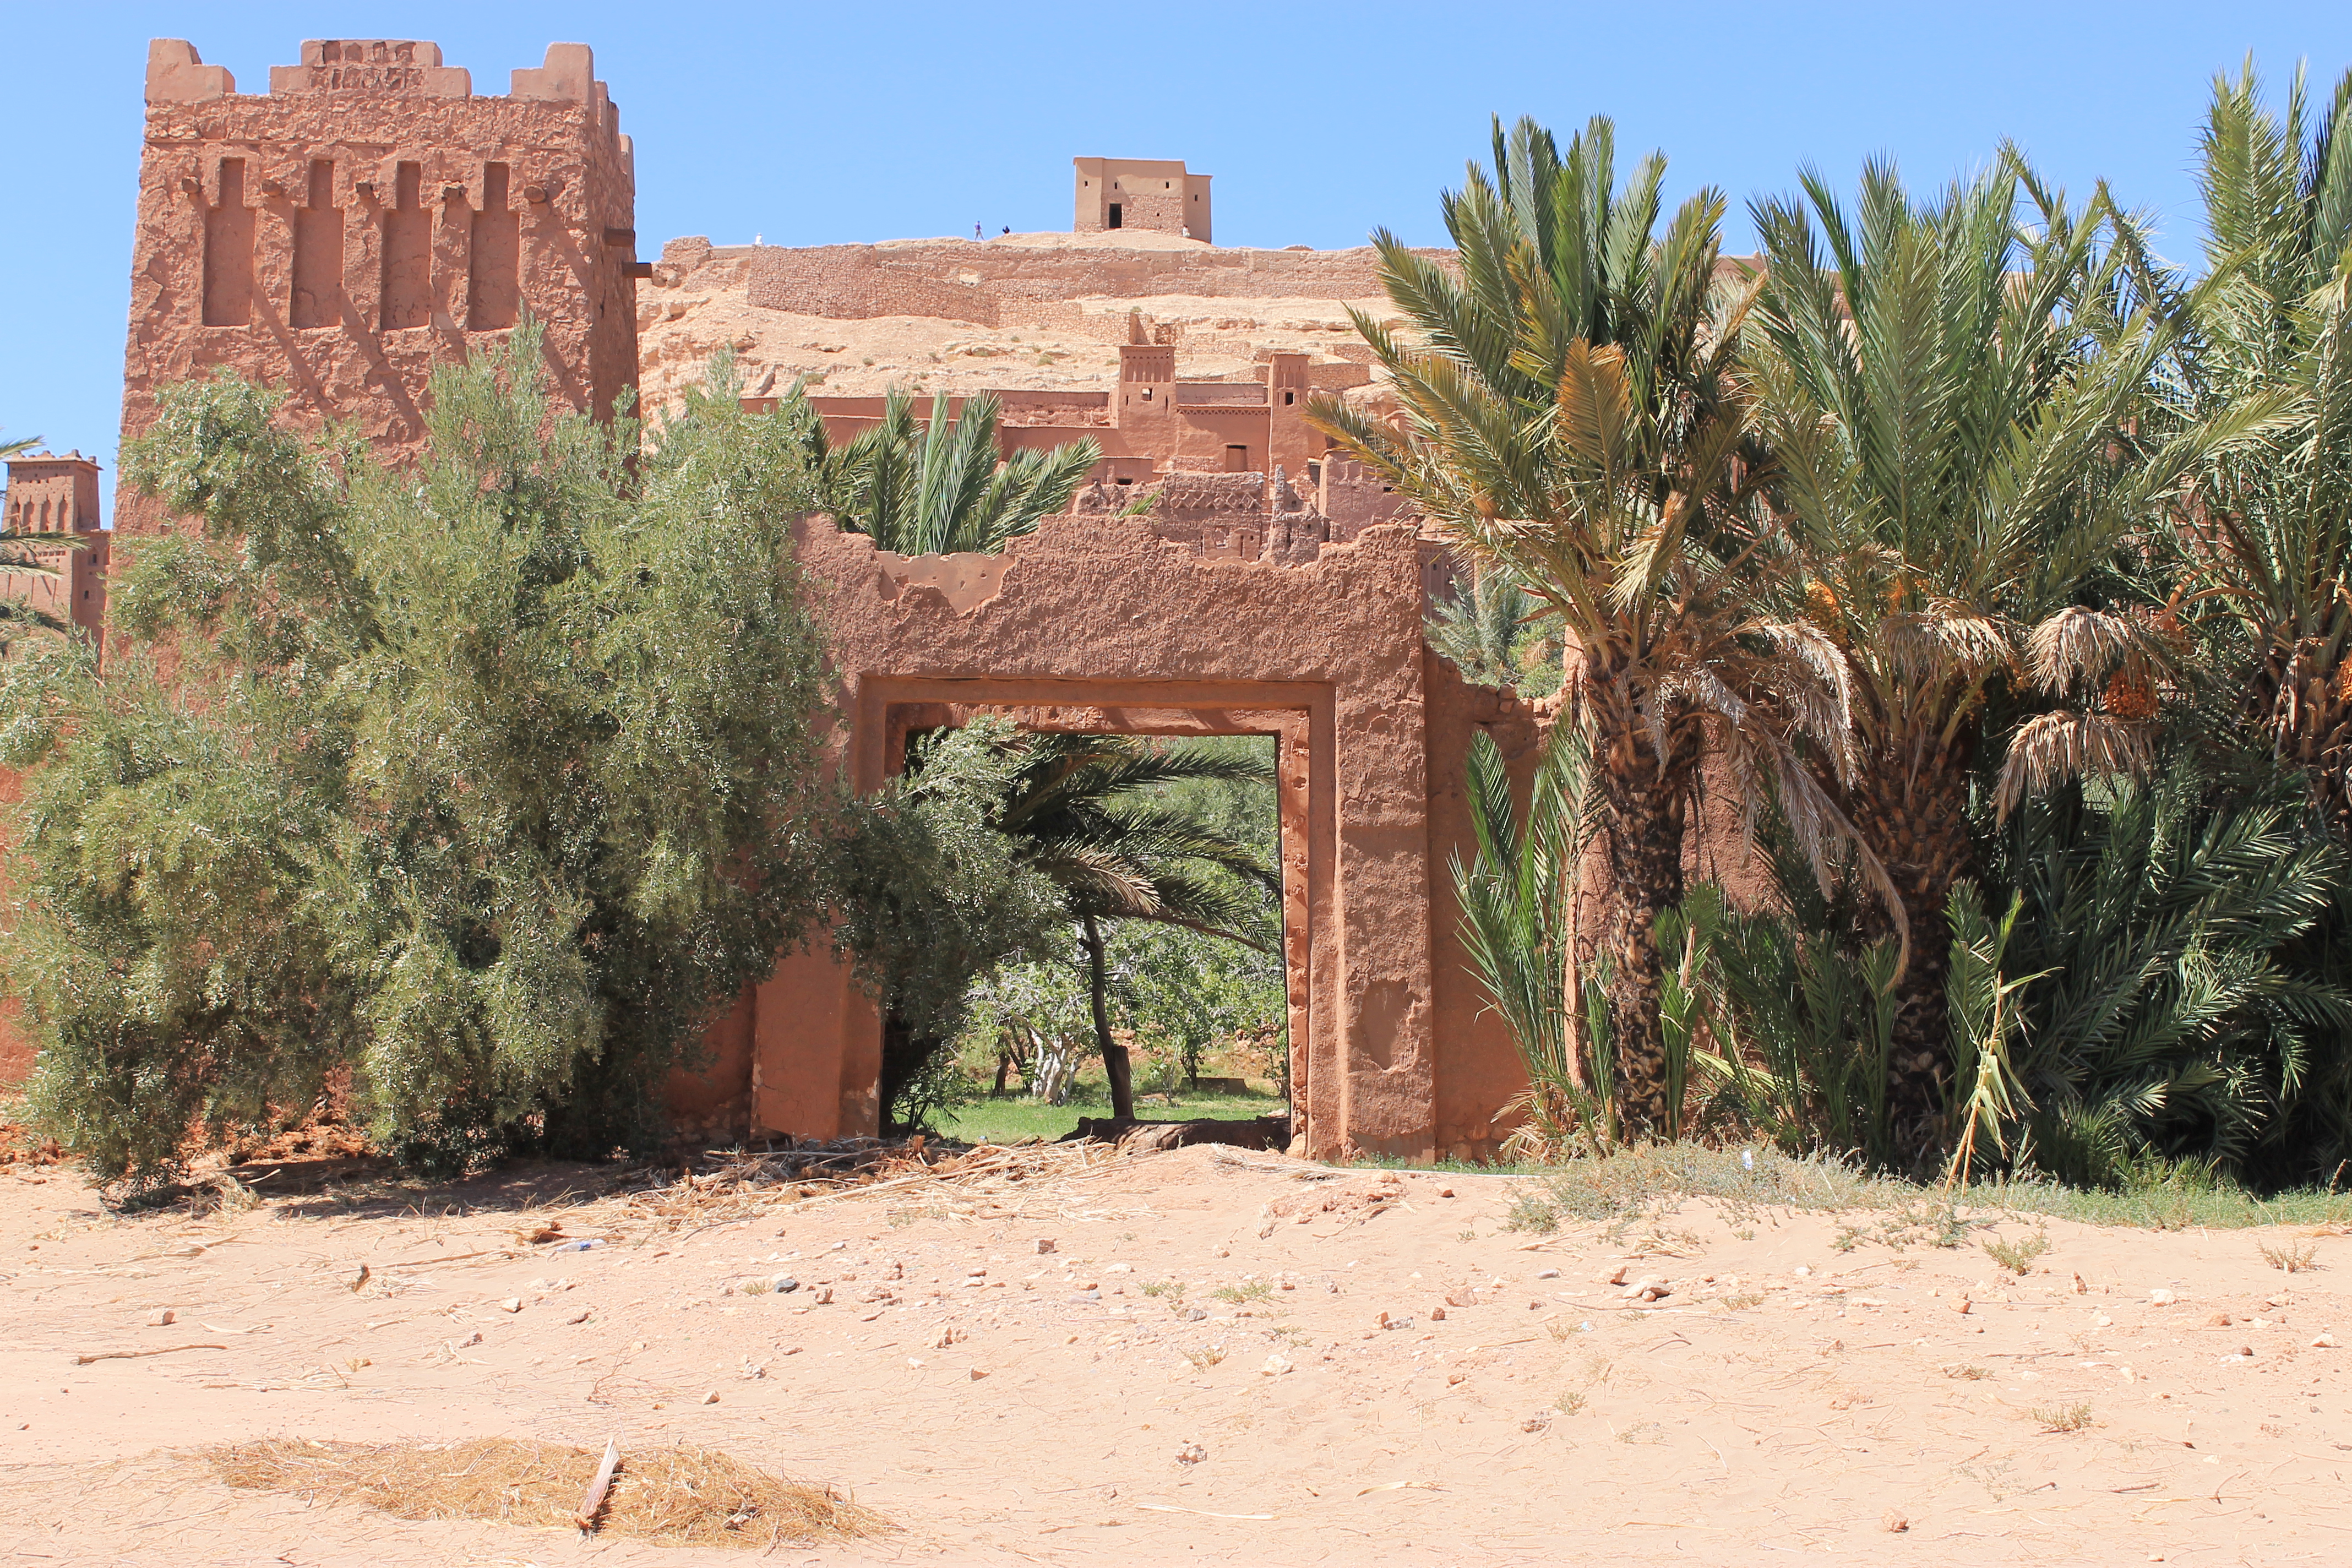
1477,625
1951,401
1088,812
941,485
1570,414
2269,544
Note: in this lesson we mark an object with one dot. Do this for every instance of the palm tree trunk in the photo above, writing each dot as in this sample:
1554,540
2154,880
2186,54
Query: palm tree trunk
1912,811
1644,799
1116,1066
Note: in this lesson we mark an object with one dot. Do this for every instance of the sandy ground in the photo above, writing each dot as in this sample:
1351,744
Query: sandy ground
1786,1395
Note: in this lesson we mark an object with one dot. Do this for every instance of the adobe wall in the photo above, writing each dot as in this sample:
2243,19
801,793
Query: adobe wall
1084,626
77,593
367,218
964,280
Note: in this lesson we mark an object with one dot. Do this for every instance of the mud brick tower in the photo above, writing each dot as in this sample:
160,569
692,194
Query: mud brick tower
50,499
367,218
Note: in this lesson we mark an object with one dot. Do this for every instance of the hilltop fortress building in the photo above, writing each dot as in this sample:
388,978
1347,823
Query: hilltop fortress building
1141,193
371,216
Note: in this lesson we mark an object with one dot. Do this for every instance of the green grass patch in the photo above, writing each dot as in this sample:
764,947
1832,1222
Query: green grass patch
1639,1181
1008,1121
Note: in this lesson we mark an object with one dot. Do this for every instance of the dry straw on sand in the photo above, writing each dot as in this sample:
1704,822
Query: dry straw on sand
679,1497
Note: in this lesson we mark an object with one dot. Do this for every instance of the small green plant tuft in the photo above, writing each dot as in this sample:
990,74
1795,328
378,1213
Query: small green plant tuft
2075,1417
1204,1357
1568,1404
1532,1210
2289,1256
2018,1256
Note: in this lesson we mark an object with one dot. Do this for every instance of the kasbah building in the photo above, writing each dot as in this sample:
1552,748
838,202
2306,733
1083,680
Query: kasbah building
372,215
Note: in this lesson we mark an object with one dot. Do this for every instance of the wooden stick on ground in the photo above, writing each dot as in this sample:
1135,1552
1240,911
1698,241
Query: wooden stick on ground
586,1517
133,1356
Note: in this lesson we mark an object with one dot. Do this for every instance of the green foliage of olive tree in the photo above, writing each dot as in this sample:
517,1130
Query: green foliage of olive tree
934,896
486,780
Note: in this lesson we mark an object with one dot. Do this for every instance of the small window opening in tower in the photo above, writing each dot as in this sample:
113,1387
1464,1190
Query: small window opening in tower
1237,460
318,250
494,290
228,252
405,295
1289,398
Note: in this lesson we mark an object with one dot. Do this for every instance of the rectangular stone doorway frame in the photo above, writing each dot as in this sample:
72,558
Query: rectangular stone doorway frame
1297,715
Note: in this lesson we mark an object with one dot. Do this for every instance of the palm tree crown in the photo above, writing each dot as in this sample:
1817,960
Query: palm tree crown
2269,544
939,486
1571,414
1087,812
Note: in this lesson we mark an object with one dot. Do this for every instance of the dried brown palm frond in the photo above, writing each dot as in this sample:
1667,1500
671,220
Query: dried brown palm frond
2077,646
2051,749
1946,641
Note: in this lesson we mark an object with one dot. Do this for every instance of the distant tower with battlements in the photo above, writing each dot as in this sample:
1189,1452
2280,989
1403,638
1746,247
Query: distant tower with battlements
370,217
49,512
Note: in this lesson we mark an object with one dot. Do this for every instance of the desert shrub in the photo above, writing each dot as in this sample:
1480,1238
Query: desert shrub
488,778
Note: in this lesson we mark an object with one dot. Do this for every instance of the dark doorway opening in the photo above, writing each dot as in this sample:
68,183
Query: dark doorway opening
1116,214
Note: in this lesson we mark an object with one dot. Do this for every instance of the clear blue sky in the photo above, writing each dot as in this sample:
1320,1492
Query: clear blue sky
810,124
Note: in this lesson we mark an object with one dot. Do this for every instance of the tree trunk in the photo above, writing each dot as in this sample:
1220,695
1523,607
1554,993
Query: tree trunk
1003,1071
1912,810
1644,797
1116,1066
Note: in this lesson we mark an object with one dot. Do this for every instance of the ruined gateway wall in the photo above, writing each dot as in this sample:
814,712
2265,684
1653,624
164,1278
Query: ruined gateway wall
242,174
1077,626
